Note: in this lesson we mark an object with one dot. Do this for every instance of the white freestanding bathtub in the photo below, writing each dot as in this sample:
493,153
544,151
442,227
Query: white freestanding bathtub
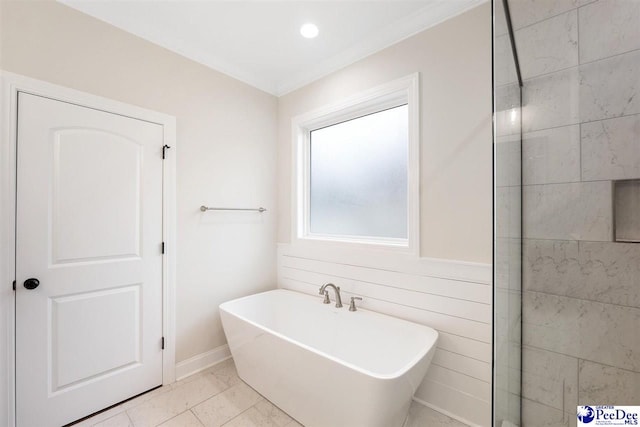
327,366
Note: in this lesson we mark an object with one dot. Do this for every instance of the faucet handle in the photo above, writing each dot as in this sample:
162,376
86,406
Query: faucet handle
326,298
352,304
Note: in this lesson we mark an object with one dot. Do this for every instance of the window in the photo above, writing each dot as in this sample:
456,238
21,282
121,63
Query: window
356,179
358,176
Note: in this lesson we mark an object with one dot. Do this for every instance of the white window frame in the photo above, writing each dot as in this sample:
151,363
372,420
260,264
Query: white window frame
395,93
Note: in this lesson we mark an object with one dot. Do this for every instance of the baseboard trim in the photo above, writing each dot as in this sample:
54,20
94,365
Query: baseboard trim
445,412
202,361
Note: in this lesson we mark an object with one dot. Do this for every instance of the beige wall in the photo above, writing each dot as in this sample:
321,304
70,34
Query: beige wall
231,137
454,61
225,155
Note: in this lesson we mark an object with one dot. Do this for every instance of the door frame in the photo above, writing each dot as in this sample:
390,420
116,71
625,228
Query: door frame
11,84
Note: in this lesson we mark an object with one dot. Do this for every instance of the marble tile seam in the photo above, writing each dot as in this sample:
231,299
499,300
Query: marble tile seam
538,76
579,359
577,8
569,182
572,413
581,299
526,133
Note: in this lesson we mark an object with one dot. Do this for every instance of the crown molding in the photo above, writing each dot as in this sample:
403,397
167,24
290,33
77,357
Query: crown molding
432,14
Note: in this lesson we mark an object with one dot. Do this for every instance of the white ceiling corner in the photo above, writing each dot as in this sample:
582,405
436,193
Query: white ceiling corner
258,42
432,14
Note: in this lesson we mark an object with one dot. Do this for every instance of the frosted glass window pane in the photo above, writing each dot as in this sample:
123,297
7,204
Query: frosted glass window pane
359,176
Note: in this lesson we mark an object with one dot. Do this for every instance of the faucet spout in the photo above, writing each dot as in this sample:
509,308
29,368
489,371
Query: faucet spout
337,291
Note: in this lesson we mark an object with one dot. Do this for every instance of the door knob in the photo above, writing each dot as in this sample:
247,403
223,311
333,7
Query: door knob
31,283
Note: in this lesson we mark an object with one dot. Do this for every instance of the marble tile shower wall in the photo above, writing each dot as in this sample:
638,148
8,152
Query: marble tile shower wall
581,130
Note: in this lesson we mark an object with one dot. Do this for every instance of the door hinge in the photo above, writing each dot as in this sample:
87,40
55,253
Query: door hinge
163,247
14,285
164,150
162,343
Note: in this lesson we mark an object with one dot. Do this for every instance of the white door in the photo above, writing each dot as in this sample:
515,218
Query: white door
89,229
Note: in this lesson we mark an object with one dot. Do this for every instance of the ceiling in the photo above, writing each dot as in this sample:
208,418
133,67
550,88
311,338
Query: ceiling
259,41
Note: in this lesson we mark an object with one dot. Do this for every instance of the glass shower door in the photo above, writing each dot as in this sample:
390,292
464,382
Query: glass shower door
507,148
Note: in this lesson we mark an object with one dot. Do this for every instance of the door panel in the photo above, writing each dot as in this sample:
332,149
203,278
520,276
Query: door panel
104,191
92,340
89,227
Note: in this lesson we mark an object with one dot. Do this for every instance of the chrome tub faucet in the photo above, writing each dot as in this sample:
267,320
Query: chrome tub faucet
326,294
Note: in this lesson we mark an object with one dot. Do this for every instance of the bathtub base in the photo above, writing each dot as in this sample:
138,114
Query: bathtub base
316,388
324,395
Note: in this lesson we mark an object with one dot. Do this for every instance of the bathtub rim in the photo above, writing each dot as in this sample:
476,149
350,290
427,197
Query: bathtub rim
397,374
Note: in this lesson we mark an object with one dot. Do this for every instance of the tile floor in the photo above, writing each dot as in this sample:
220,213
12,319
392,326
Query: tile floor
217,397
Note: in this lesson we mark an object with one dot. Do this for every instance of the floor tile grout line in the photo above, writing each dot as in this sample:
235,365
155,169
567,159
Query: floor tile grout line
195,414
212,396
291,422
189,407
229,420
207,370
119,408
175,416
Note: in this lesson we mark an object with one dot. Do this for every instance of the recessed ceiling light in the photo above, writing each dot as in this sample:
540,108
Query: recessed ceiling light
309,30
